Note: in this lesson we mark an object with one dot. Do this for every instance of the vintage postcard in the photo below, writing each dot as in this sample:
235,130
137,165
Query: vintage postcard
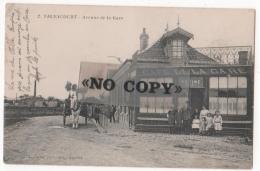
129,86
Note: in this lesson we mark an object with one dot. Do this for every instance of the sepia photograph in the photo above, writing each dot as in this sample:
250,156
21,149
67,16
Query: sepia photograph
124,86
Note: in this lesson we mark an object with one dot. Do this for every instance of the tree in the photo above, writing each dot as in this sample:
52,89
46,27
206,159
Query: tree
68,87
50,98
74,88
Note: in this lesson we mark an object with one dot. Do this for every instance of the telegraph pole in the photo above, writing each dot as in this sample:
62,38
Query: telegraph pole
35,82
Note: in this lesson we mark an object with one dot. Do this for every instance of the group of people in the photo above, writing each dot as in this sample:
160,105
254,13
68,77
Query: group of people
72,107
184,120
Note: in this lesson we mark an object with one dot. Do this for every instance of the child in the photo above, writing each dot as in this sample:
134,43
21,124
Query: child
195,124
209,126
217,121
203,125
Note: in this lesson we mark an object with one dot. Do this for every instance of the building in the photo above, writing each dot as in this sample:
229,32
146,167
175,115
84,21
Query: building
92,69
221,78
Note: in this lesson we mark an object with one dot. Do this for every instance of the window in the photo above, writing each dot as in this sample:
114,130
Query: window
232,106
155,104
159,106
143,104
222,105
174,48
213,82
151,104
228,95
241,106
242,82
167,104
222,82
213,104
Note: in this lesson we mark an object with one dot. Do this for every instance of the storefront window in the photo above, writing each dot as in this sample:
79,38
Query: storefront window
143,105
241,106
232,82
213,104
213,82
232,106
159,106
228,95
155,104
222,105
167,104
242,82
223,82
151,104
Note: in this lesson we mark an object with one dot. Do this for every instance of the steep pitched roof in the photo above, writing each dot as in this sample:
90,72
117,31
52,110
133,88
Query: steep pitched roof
155,53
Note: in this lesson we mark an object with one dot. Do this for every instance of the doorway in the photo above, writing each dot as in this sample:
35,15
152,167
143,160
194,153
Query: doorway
196,98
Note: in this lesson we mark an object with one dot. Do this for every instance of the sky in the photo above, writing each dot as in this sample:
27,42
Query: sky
64,43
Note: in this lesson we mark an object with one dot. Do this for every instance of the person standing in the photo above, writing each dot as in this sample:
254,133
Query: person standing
178,121
217,121
171,118
195,113
203,114
195,124
112,114
97,111
209,126
66,110
186,118
75,113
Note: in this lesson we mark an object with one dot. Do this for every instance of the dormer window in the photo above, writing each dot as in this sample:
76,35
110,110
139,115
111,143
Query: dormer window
174,48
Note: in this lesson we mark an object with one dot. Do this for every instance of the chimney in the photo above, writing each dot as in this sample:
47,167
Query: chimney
143,40
242,57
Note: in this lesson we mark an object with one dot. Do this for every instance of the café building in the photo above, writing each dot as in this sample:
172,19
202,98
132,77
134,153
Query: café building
220,78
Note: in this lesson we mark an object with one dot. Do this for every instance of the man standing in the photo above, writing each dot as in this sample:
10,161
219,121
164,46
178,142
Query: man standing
97,112
178,120
171,118
112,113
186,118
66,110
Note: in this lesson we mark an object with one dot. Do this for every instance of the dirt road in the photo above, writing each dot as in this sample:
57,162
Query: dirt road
43,140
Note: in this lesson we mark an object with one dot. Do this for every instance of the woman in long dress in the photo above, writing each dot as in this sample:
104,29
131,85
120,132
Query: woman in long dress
203,114
217,120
